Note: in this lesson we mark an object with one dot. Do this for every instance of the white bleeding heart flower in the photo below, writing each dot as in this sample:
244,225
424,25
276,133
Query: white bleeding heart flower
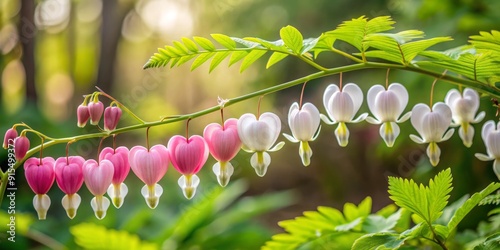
341,106
258,136
387,105
431,125
304,124
464,107
491,139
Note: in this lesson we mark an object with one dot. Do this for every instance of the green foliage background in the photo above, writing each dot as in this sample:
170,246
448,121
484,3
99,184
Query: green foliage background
67,59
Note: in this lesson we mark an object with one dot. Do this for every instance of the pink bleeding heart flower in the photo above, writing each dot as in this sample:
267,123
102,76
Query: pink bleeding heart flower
119,157
188,157
223,143
150,166
21,147
40,177
95,111
111,117
82,115
69,178
10,136
98,176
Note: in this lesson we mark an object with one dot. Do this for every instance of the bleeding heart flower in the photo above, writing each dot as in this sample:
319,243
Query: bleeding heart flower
119,157
69,178
304,124
10,136
40,177
21,147
387,106
491,139
258,136
431,125
150,166
188,156
223,143
111,117
463,108
341,106
83,115
95,111
98,177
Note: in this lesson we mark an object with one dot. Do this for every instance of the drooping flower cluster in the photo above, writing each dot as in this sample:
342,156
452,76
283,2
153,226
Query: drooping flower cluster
254,134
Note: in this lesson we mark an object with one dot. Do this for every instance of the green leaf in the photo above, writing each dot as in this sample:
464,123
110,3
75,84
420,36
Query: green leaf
438,193
378,224
325,43
190,44
470,204
204,43
378,241
486,40
292,38
218,58
493,199
246,43
355,31
224,40
181,47
91,236
236,56
200,60
426,202
492,242
278,45
251,58
274,58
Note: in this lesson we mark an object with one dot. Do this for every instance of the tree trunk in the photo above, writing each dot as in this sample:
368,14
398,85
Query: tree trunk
27,34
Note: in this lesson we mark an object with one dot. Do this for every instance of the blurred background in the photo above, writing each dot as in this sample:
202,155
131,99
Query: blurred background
54,51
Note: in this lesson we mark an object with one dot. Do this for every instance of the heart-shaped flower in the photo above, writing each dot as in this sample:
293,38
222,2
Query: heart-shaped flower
10,136
98,176
491,139
150,166
431,125
223,143
258,136
69,178
464,107
95,111
111,117
40,177
304,124
341,106
387,106
119,157
188,156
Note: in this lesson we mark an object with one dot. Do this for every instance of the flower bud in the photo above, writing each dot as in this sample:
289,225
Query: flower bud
10,136
95,111
83,115
111,117
21,146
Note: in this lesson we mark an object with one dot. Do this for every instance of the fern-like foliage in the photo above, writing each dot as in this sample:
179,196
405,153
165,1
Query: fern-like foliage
92,236
371,38
329,228
493,199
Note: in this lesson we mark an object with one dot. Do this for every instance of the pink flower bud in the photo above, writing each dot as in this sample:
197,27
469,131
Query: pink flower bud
95,112
150,166
119,157
111,117
40,177
9,137
21,146
83,115
188,157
